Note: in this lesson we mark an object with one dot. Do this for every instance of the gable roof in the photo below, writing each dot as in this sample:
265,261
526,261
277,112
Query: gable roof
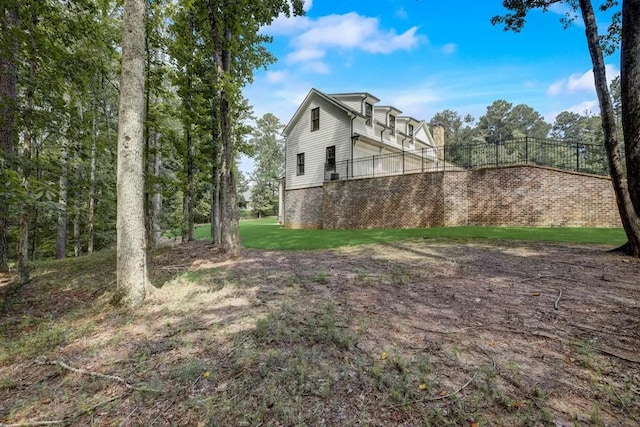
387,108
329,98
366,95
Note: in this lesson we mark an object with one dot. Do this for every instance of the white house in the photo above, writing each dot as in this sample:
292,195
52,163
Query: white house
348,136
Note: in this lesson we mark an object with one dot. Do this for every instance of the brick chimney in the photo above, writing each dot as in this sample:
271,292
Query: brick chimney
437,131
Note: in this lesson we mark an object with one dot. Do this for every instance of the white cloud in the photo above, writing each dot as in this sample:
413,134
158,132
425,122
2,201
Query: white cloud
556,88
307,5
416,101
283,26
449,48
304,55
354,31
401,13
276,76
591,107
579,82
312,38
316,67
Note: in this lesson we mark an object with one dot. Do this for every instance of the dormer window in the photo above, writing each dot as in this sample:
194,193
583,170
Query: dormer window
368,112
392,124
410,129
315,119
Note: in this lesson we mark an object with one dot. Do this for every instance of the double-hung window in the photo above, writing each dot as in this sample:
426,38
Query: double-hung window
300,164
410,130
315,119
368,112
392,124
330,164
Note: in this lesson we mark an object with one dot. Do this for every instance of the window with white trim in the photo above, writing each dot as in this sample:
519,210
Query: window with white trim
315,119
368,112
330,163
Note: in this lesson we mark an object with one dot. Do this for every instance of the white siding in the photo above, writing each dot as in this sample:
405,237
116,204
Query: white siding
360,127
421,136
353,102
335,129
380,114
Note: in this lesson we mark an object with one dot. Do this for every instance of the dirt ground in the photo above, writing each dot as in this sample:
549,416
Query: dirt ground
555,328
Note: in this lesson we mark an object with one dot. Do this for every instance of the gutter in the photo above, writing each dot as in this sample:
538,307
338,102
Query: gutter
353,138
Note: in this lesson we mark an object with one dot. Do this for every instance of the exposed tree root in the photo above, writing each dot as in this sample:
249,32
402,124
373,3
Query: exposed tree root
624,249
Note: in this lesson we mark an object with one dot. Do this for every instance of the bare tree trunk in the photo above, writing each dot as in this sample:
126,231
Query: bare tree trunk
215,175
77,219
92,185
132,277
156,194
188,231
628,216
63,182
77,246
8,95
107,118
229,236
189,194
23,246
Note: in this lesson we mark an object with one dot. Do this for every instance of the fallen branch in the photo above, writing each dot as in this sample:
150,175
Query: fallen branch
98,374
35,423
455,392
174,267
445,396
555,304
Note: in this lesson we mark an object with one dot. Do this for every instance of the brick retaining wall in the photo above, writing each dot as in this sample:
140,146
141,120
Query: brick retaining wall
512,196
303,208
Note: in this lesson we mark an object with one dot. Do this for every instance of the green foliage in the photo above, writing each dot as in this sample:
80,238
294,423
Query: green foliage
268,147
503,121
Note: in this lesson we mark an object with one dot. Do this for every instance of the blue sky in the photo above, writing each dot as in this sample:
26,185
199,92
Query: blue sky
424,56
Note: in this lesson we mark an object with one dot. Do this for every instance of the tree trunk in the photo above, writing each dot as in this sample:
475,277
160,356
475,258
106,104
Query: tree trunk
229,236
132,277
23,245
156,194
77,219
7,126
630,96
189,195
77,246
61,236
215,174
107,118
628,216
92,184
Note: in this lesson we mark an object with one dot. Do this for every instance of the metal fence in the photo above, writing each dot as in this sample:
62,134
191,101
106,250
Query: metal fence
578,157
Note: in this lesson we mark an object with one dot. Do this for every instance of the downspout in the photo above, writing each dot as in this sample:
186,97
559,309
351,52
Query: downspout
403,153
284,186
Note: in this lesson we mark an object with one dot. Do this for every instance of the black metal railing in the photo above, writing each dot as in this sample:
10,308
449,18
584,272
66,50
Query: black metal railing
577,157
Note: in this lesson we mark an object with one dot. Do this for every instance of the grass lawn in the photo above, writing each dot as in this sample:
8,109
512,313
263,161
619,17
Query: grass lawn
266,233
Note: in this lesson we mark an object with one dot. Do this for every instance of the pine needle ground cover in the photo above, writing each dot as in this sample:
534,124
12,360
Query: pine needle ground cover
414,332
